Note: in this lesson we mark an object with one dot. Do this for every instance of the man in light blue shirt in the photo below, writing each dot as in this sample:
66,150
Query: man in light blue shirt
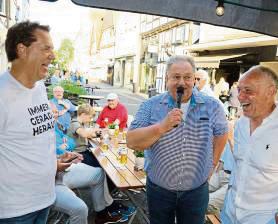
184,145
64,106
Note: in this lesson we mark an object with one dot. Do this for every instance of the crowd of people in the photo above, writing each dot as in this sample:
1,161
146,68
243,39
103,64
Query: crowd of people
75,77
199,158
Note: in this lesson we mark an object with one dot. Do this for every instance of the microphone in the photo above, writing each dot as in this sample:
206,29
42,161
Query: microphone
180,91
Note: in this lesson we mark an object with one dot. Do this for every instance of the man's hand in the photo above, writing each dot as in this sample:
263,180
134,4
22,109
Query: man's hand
117,122
64,146
92,132
173,118
62,162
66,105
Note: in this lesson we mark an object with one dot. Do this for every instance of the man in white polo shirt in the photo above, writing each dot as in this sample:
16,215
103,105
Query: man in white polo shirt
252,195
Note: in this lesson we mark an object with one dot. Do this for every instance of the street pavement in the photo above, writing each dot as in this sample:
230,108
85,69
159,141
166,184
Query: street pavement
131,100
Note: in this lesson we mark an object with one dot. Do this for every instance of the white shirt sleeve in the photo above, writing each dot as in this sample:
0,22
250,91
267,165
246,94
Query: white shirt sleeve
3,116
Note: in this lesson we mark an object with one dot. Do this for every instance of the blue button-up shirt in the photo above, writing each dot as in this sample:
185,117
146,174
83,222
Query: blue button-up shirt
64,119
182,158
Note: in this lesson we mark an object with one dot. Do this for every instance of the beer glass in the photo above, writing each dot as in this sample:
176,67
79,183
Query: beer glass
123,155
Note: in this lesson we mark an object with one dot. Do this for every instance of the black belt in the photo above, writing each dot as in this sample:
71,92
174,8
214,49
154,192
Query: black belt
227,171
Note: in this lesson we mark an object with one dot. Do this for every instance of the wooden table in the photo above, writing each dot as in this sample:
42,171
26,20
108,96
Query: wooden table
124,179
91,98
90,88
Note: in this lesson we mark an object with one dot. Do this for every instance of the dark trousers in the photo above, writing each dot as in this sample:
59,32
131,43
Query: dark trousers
189,207
89,159
37,217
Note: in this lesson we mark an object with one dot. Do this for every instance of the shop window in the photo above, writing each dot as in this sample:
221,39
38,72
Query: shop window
2,7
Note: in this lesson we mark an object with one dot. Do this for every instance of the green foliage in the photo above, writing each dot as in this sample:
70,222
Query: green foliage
51,70
71,91
111,126
138,153
64,55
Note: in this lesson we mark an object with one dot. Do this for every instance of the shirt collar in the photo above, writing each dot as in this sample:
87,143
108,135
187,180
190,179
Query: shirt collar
273,115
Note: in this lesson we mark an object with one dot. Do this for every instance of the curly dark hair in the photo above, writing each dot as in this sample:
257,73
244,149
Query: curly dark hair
21,33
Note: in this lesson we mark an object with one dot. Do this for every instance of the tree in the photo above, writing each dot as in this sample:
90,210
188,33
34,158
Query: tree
64,55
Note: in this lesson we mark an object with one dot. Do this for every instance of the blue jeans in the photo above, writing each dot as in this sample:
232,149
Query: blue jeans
189,207
37,217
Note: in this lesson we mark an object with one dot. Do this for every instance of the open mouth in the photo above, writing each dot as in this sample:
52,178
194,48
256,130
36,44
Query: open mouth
45,66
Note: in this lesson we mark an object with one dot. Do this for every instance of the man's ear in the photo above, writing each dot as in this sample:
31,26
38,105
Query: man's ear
272,91
20,50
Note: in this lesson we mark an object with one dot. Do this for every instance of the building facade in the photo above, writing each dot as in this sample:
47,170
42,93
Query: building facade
11,12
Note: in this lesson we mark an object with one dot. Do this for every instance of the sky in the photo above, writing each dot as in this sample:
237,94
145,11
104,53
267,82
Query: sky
63,17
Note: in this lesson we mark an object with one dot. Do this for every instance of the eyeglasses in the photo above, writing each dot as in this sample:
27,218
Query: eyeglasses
198,79
177,78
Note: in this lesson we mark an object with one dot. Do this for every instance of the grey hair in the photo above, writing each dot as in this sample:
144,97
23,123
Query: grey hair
267,72
58,88
180,58
203,73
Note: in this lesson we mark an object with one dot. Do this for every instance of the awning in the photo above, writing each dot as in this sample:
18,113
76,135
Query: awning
235,43
213,61
253,15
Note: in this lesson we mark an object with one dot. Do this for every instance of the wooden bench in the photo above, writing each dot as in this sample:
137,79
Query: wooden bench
214,219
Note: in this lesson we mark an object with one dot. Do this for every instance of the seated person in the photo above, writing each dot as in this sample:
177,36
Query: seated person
67,202
55,78
80,133
64,106
115,112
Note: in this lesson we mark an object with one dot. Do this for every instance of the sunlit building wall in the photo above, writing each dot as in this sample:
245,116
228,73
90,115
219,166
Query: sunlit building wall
11,12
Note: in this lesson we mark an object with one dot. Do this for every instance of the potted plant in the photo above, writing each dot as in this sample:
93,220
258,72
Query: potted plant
139,160
111,129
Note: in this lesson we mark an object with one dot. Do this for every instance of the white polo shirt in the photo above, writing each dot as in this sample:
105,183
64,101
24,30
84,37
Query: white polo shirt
253,197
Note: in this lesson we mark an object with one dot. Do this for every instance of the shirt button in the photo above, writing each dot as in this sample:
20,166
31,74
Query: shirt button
183,140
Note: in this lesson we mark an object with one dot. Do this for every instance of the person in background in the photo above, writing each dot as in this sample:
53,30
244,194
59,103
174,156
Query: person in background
73,77
184,146
114,112
202,82
81,131
221,88
27,143
55,78
252,195
66,75
233,99
64,106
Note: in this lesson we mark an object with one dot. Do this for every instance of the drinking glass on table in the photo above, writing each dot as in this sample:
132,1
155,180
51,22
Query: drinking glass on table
124,134
105,143
123,155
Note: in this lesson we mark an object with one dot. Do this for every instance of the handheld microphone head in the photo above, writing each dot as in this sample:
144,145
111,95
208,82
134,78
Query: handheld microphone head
180,91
